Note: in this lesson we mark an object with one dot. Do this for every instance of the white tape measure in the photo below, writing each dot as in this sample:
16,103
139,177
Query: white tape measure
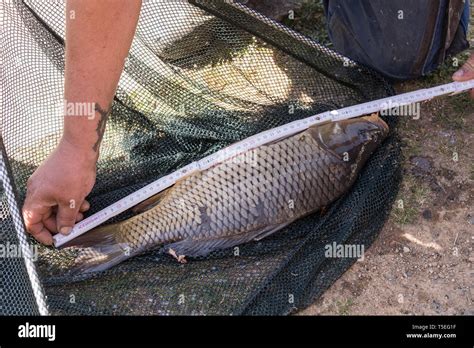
255,141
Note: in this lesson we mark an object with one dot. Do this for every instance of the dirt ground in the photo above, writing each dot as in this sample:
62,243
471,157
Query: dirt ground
421,263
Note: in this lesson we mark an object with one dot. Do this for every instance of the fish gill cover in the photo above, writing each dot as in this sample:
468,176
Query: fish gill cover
200,75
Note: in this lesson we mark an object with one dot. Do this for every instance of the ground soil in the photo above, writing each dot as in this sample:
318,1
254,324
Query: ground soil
421,262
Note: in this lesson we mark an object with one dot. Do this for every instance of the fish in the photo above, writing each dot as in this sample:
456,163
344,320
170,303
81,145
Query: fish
242,199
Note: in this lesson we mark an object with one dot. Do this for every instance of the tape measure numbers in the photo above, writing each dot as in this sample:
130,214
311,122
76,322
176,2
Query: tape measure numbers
255,141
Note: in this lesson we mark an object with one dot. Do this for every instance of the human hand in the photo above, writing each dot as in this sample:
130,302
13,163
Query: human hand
466,73
56,191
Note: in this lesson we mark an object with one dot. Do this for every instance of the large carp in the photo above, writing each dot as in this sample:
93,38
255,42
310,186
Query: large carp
246,198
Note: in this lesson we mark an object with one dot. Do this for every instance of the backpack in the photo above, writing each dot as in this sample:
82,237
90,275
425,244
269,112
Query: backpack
401,39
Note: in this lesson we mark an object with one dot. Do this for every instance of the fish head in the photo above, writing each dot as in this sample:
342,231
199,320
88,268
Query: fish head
352,140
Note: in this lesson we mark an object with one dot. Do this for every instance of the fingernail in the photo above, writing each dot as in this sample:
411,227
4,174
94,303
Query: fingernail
459,73
45,239
65,230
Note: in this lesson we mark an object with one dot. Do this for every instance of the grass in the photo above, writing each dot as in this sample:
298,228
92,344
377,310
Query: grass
410,199
449,112
310,21
454,113
344,308
445,70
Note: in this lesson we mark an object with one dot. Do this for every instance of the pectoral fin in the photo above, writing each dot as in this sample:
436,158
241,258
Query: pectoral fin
203,247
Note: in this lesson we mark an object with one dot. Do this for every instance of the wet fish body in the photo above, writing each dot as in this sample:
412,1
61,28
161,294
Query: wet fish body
246,198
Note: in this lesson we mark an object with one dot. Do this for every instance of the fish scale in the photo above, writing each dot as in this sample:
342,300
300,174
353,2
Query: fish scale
245,198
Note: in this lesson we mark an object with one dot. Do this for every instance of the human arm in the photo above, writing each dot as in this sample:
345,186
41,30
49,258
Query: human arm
98,38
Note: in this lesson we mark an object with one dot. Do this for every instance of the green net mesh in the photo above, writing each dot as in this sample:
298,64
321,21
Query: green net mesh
200,75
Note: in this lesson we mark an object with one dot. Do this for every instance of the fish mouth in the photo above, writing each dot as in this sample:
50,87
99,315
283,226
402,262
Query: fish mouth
381,125
371,130
377,134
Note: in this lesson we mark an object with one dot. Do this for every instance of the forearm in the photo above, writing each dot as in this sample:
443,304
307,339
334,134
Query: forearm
98,38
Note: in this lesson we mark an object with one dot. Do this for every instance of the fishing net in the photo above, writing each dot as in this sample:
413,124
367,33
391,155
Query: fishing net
200,76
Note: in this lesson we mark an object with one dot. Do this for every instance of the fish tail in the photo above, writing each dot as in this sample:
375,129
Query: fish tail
99,250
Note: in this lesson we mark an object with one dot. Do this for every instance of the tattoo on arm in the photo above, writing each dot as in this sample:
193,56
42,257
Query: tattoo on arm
104,114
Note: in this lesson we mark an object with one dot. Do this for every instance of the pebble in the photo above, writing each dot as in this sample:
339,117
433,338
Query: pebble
422,164
445,134
406,249
427,214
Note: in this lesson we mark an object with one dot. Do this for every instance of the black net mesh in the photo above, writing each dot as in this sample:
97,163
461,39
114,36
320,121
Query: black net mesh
21,292
200,76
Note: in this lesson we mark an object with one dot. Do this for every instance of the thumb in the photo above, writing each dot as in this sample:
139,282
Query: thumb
466,72
66,217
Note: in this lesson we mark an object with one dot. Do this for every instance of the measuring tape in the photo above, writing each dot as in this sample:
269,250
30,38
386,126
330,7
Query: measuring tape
255,141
